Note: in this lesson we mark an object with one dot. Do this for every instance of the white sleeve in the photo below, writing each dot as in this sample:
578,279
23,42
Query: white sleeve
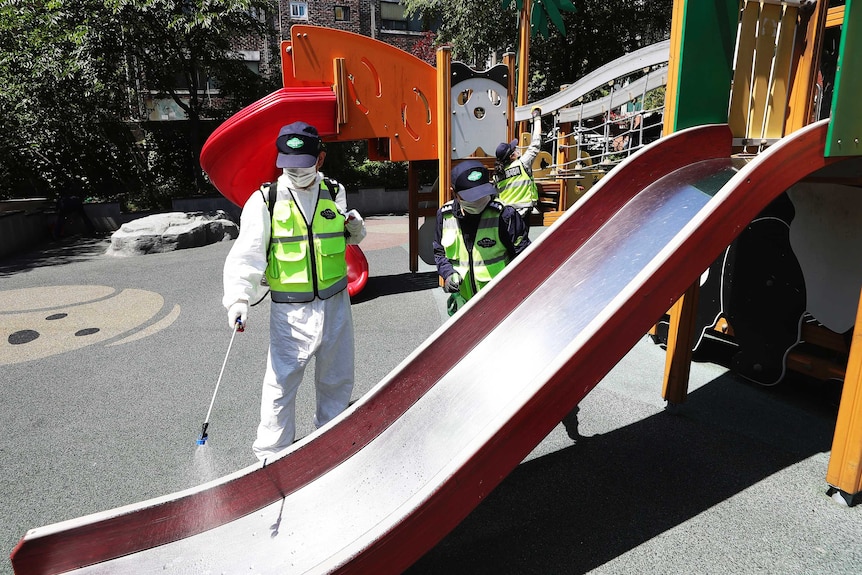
356,226
340,197
246,262
535,146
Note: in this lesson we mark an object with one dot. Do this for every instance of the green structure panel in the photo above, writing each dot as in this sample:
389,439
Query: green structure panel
844,137
705,62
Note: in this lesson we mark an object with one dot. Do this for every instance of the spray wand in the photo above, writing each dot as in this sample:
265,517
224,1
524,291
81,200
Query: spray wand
203,438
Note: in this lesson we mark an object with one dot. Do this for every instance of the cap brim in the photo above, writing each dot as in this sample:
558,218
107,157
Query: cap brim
480,191
295,160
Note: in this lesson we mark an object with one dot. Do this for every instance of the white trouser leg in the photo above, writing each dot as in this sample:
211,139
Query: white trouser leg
321,328
334,360
290,348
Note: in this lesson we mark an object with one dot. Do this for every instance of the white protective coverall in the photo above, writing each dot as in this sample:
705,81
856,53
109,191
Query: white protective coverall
298,331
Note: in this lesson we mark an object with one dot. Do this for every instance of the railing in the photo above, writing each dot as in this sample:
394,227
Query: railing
605,116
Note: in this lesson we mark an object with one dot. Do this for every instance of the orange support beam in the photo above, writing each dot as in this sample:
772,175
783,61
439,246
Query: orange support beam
680,334
844,473
444,126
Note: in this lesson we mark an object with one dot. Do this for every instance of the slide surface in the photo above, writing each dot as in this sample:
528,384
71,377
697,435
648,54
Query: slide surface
404,465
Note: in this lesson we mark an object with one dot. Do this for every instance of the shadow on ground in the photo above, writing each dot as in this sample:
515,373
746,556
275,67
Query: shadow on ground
66,251
576,509
379,286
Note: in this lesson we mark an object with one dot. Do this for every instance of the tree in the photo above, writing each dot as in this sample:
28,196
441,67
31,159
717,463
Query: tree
71,70
473,39
62,99
598,32
181,47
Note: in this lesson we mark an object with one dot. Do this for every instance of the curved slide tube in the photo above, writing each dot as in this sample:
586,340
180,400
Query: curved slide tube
357,269
390,477
240,154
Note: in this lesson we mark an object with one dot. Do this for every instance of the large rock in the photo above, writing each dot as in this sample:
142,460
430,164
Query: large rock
171,231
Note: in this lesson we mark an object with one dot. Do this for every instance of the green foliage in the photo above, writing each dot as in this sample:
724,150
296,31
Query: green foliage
70,71
597,32
654,99
347,162
180,47
61,98
472,38
391,175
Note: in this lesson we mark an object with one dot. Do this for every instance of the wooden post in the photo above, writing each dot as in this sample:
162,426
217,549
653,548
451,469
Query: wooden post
444,126
844,473
509,62
523,59
680,334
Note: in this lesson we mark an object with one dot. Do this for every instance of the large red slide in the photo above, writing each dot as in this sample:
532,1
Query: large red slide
404,465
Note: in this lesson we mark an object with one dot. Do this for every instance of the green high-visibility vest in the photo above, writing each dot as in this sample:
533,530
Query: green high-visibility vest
487,258
517,189
302,265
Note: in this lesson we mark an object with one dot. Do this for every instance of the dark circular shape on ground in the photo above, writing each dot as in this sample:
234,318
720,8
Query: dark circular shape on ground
56,316
87,331
23,336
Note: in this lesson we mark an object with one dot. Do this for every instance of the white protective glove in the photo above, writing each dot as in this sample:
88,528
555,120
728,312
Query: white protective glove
354,223
238,311
452,283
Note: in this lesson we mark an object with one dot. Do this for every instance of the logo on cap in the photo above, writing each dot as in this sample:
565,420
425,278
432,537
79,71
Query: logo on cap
473,176
295,143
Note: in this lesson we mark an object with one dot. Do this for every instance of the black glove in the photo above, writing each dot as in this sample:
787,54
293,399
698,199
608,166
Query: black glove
452,283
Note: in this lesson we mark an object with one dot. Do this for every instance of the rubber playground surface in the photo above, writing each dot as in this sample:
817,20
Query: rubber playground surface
109,365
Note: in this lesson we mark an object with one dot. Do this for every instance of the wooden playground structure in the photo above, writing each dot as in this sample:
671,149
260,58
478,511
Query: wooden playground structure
776,88
755,112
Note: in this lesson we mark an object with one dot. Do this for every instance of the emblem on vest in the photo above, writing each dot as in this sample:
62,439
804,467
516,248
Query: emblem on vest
512,172
328,214
486,243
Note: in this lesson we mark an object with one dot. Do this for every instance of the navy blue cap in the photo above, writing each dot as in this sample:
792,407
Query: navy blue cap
505,150
472,181
298,146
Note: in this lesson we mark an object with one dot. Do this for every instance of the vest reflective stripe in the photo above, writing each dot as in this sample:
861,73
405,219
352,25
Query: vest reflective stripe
487,258
302,265
518,189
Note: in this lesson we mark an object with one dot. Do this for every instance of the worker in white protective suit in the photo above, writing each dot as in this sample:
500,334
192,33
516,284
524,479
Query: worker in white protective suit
297,246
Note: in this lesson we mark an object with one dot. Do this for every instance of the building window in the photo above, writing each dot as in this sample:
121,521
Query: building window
342,13
299,10
392,17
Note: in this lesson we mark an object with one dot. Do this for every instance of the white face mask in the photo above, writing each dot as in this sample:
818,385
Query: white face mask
301,177
475,207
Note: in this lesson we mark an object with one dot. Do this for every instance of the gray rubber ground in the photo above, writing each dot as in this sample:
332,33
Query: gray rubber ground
103,406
